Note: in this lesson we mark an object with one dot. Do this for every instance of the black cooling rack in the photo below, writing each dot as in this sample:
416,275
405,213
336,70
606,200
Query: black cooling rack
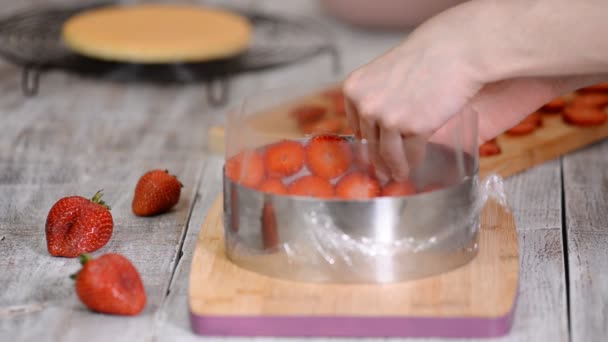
32,41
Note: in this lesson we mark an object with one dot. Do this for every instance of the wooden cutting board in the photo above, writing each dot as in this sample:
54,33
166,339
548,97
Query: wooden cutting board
476,300
553,139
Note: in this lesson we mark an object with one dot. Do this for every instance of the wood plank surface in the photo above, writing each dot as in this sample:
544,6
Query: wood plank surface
78,134
586,199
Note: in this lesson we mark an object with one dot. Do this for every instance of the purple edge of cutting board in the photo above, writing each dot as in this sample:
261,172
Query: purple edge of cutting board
333,326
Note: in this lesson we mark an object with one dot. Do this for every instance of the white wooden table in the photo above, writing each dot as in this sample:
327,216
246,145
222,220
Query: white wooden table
80,135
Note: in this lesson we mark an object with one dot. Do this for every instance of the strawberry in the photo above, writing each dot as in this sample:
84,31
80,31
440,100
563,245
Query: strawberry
394,188
598,100
527,125
336,97
110,284
77,225
307,114
555,105
313,186
596,88
339,107
270,234
156,192
328,156
246,168
584,116
284,158
522,129
489,148
357,185
273,186
326,126
333,94
347,130
534,118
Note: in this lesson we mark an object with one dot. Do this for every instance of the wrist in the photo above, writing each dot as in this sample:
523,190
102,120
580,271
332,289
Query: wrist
522,38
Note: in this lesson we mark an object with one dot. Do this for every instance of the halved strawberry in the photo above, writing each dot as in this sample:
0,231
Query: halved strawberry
527,125
584,116
347,130
534,118
325,126
246,168
339,107
333,94
522,129
284,158
357,185
328,156
394,188
312,186
306,114
590,100
489,148
270,233
555,105
273,186
601,88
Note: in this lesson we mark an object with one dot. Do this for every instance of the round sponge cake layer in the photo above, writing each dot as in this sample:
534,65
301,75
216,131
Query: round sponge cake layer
157,33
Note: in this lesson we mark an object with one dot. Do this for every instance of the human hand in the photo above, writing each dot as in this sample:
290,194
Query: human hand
398,101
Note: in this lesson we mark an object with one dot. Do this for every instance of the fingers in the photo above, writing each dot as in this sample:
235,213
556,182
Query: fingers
392,152
415,150
370,133
352,116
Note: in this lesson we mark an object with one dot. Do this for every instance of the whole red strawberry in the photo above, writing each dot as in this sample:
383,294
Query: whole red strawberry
156,192
77,225
110,284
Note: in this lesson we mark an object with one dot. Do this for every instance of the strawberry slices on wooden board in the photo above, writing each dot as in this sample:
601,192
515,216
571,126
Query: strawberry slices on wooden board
562,125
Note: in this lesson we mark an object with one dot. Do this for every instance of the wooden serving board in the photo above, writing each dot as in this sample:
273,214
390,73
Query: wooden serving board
553,139
475,300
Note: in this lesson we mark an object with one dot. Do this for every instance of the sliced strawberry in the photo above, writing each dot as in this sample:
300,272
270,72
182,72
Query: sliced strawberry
527,125
325,126
284,158
347,130
394,188
600,88
523,128
312,186
270,234
555,105
338,106
246,168
534,118
306,114
273,186
489,148
584,116
590,100
333,94
328,156
357,185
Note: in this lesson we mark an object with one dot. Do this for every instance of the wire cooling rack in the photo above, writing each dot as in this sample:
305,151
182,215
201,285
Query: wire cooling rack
32,41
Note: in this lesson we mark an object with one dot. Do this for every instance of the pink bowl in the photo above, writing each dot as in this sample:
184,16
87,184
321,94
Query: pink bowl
387,13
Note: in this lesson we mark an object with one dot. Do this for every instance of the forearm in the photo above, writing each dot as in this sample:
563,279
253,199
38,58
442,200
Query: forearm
527,38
